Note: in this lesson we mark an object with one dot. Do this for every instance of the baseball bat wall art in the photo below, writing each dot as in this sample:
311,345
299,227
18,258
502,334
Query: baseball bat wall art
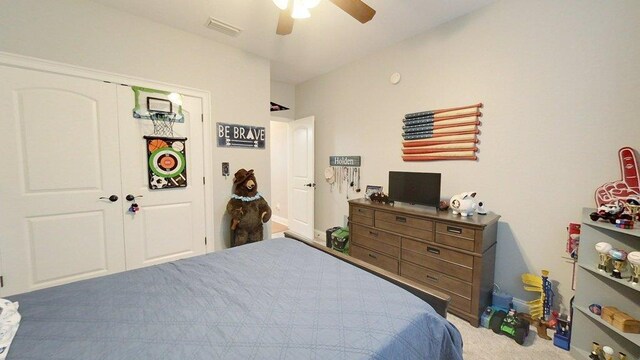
443,134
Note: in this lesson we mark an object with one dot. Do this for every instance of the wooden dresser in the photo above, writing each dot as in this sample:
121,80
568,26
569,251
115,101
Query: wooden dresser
450,253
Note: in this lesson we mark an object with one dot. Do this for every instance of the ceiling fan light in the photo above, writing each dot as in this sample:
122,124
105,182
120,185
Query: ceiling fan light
299,10
282,4
310,4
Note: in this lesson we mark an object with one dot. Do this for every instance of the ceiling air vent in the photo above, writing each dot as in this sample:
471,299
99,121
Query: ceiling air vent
223,27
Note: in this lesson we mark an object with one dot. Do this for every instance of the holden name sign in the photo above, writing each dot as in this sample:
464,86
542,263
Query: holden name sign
344,160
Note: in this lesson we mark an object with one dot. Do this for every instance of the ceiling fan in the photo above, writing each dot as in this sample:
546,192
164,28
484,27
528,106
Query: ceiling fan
299,9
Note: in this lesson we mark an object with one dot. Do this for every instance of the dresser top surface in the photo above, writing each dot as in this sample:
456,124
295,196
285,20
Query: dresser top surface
429,212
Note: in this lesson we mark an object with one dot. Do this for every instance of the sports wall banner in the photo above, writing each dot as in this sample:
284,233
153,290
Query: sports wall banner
167,162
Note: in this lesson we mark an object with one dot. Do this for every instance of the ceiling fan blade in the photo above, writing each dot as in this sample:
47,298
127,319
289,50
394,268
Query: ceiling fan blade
285,23
356,8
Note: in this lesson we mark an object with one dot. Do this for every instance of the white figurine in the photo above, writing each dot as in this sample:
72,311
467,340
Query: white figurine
463,204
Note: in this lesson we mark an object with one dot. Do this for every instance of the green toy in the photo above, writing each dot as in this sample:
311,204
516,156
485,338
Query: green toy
510,325
340,240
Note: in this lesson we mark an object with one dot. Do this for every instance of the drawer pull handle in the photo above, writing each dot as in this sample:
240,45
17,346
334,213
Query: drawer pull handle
401,219
433,250
360,210
432,278
455,230
373,233
373,256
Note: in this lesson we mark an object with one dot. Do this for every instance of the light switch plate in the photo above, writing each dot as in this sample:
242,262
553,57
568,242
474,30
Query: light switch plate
225,169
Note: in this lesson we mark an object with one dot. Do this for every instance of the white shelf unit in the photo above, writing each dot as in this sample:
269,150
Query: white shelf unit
598,287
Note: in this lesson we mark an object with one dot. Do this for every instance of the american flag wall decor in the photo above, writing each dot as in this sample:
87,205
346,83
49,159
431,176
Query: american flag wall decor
444,134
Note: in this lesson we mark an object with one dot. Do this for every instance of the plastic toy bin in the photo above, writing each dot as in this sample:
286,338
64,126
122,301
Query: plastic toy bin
329,243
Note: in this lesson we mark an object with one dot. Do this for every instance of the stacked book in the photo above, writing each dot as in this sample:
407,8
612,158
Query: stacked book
444,134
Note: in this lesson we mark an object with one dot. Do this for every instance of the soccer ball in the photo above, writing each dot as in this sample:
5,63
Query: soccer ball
158,182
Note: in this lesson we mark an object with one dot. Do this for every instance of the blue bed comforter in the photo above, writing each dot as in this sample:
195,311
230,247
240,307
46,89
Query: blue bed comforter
276,299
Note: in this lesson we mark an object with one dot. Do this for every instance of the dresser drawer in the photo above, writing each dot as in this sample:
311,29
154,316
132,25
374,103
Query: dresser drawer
435,279
457,271
438,252
357,219
456,236
376,240
360,211
374,258
458,302
406,225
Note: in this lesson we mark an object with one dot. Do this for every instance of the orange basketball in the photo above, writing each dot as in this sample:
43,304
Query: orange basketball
156,144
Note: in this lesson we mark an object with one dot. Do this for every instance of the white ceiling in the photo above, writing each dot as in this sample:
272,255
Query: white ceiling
328,39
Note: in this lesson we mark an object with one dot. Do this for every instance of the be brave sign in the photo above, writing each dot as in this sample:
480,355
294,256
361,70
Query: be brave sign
243,136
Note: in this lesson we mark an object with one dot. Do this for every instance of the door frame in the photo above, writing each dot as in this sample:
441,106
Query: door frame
287,122
32,63
291,182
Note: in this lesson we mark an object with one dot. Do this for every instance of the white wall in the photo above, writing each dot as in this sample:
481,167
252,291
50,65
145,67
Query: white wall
285,95
91,35
279,168
560,83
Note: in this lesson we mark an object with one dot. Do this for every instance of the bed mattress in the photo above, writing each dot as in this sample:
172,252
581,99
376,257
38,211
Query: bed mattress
275,299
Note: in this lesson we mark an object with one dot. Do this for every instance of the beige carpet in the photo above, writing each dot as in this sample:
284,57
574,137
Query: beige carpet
278,228
481,344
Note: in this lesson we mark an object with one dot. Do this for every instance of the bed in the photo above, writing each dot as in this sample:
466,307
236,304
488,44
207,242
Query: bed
275,299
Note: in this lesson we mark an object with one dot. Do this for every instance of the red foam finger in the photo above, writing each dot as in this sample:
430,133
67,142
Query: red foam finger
629,168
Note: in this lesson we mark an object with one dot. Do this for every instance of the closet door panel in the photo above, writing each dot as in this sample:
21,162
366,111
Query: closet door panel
60,147
170,224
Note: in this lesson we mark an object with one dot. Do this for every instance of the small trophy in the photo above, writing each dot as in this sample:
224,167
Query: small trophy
634,262
596,349
619,258
603,249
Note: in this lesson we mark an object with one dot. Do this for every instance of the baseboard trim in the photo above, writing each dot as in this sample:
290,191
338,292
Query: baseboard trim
520,305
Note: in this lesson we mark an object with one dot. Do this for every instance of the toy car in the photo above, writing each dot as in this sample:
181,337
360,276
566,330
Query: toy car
610,212
510,325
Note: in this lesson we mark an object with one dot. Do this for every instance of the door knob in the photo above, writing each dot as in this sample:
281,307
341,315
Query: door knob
310,185
131,197
112,198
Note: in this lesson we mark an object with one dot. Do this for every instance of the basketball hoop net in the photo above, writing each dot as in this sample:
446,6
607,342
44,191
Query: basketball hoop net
162,123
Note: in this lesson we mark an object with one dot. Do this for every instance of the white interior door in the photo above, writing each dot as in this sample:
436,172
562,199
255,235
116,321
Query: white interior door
301,195
60,148
171,222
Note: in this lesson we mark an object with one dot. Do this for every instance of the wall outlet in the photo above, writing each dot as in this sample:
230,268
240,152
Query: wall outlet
345,221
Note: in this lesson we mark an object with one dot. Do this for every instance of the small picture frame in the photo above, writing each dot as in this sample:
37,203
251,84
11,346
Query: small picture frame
157,105
372,189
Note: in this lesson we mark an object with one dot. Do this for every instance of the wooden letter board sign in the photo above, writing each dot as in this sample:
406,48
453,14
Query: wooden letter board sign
244,136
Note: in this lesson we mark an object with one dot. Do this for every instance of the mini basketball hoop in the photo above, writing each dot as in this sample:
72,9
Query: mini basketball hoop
163,108
162,123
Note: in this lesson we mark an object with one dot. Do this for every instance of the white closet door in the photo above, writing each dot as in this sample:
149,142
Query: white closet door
60,152
171,222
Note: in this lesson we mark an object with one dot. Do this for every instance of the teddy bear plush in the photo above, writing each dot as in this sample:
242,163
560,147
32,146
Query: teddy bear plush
248,209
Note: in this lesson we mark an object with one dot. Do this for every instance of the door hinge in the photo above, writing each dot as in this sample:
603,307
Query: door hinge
205,240
204,182
202,117
1,281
